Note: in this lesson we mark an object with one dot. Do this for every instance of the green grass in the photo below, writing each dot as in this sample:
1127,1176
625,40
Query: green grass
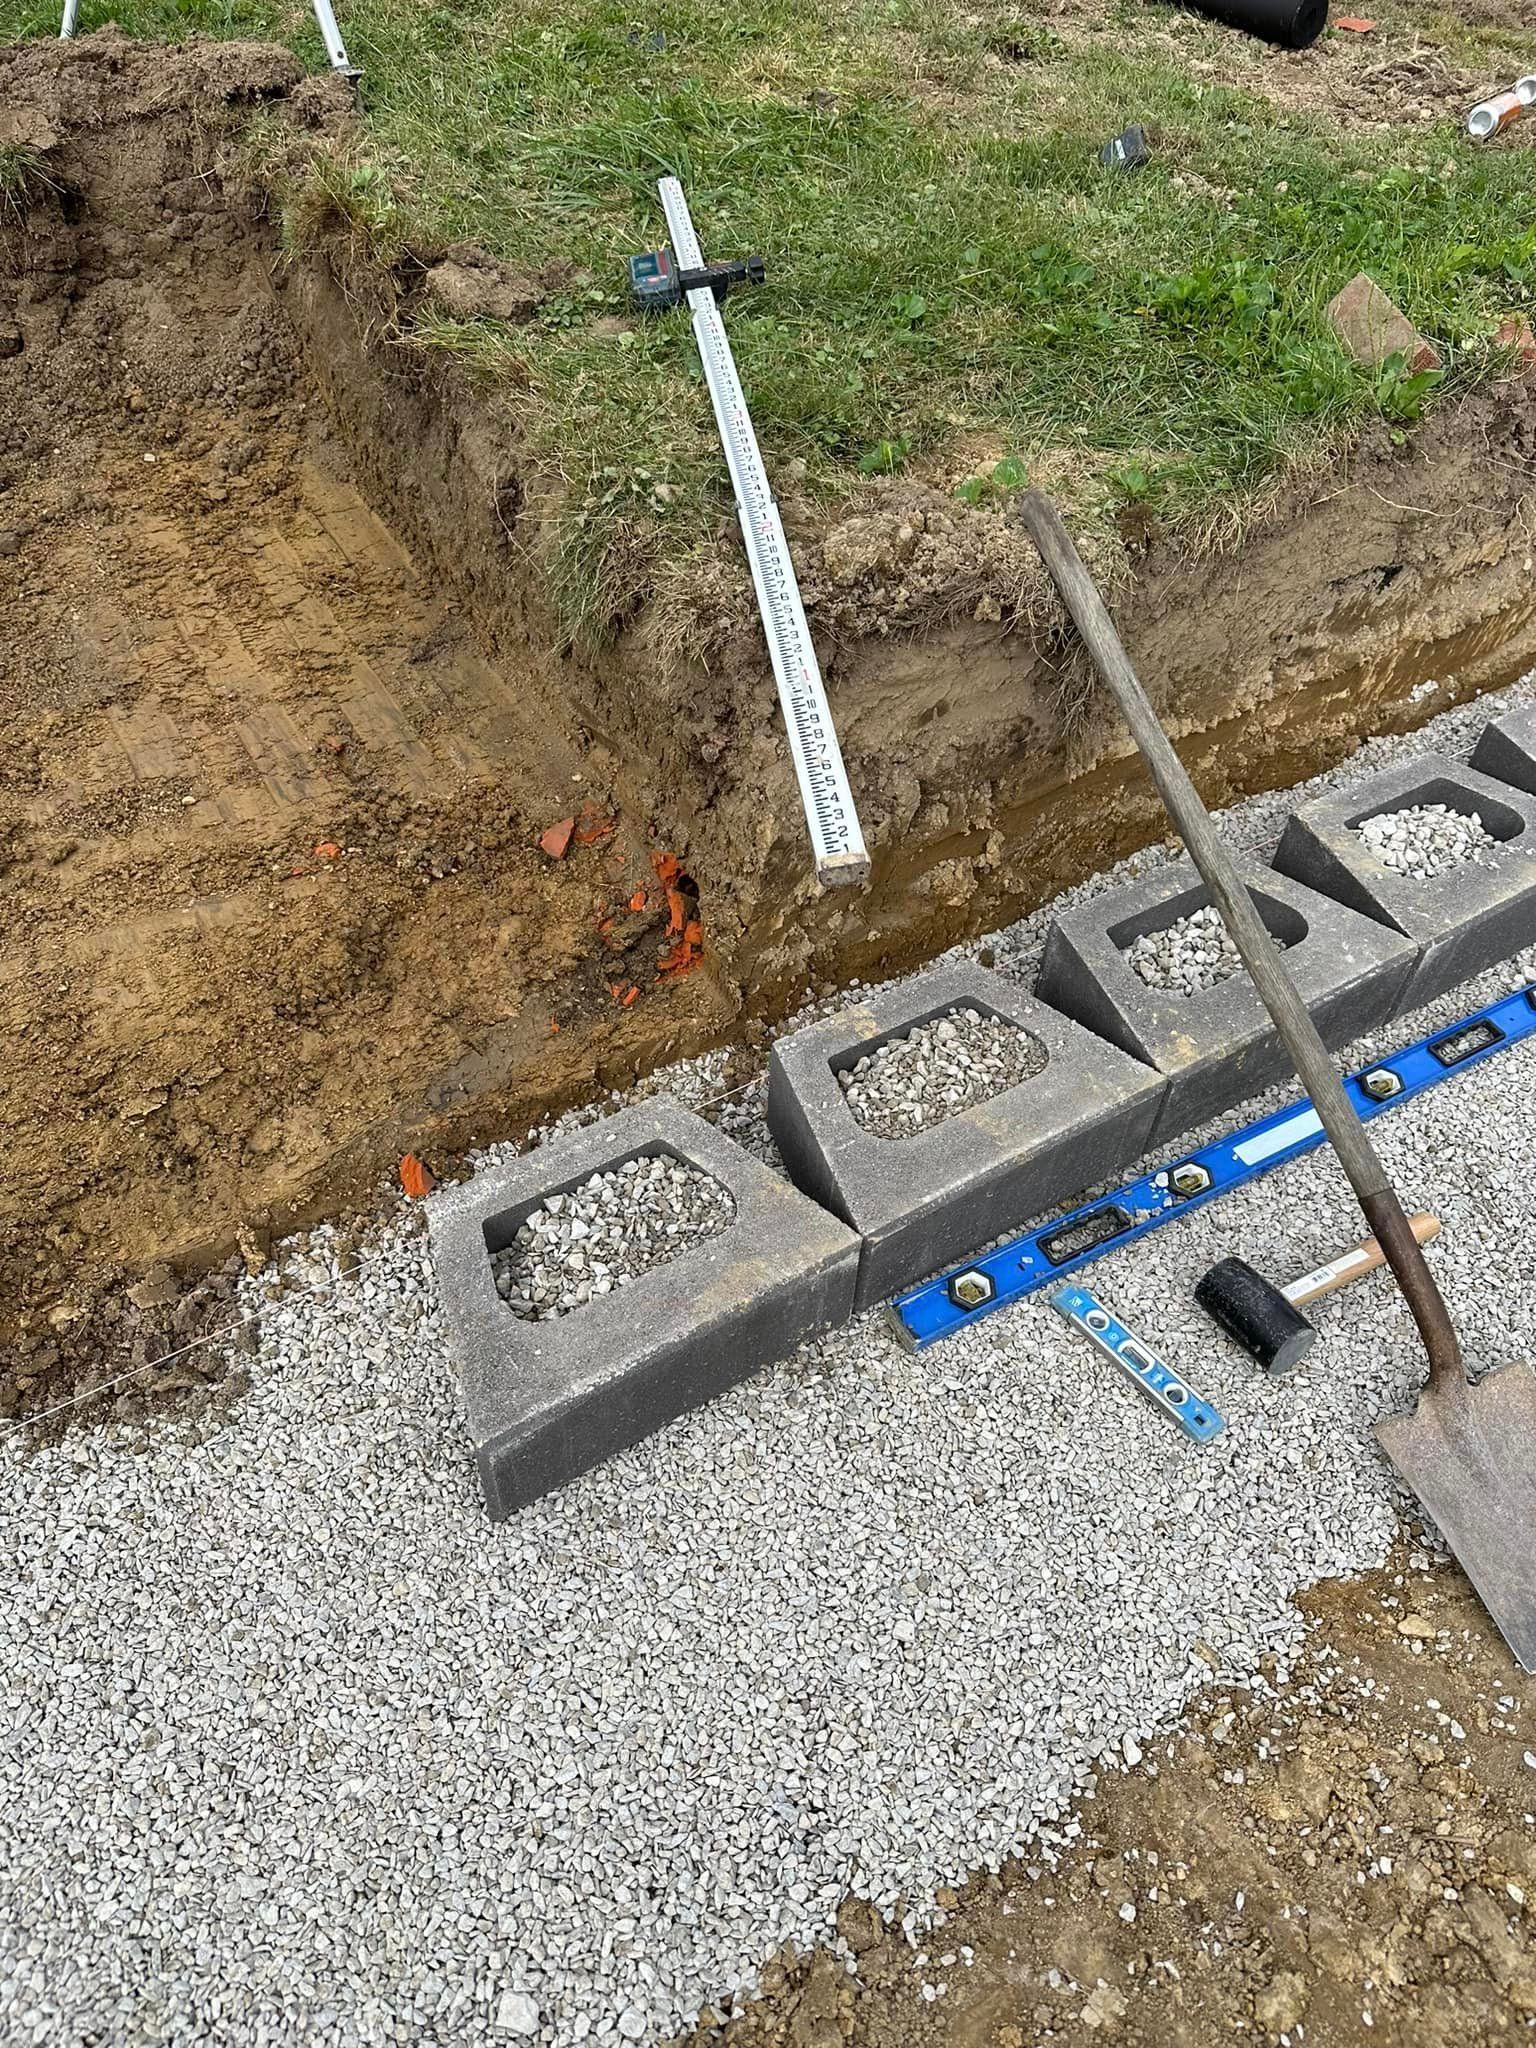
948,265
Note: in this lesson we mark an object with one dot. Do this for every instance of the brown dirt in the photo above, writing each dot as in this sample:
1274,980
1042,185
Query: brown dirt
1351,1863
269,815
1413,66
269,584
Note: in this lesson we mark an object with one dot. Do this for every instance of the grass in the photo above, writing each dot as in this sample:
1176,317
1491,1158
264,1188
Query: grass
949,267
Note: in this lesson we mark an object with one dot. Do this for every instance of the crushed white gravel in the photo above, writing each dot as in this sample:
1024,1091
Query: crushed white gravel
606,1233
936,1070
1425,840
295,1746
1191,954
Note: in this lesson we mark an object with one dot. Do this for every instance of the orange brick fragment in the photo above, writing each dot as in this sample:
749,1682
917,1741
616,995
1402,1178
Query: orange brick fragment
556,840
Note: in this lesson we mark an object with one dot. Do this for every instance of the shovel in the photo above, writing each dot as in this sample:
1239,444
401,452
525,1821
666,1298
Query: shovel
1468,1451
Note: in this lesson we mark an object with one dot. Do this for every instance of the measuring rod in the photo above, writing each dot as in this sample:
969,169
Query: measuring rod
836,838
71,16
335,48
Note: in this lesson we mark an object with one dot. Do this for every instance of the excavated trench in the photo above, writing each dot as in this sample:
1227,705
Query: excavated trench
283,715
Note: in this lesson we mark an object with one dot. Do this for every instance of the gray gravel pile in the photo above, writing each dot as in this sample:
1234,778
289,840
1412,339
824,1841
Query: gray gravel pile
607,1232
1191,954
936,1070
1428,839
295,1746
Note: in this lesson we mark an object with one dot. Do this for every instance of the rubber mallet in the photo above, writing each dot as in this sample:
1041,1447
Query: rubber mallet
1266,1320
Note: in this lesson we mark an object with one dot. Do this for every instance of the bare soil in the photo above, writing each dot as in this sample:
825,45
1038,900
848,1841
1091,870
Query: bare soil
1350,1862
269,815
284,714
1405,68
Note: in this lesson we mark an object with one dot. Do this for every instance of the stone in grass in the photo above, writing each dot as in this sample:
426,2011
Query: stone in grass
1373,330
1506,749
546,1400
1216,1045
1462,920
924,1201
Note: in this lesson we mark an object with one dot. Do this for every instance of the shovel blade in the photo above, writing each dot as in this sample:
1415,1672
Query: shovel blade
1469,1453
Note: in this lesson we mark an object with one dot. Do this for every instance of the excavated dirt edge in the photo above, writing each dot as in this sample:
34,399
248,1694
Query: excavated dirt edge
1401,586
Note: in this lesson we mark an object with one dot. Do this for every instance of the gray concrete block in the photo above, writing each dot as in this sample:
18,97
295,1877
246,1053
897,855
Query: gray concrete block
1218,1047
1461,921
546,1400
923,1201
1507,749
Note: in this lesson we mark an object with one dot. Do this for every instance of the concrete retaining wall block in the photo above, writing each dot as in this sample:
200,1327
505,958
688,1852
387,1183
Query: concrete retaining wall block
546,1400
923,1201
1219,1046
1507,750
1463,920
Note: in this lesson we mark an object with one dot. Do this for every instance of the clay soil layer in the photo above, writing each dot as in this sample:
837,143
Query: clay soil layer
283,715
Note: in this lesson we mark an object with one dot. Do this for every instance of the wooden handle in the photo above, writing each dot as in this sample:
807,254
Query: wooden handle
1258,952
1354,1264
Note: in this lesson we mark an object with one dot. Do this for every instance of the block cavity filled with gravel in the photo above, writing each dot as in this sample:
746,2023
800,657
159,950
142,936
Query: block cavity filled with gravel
608,1232
1424,840
936,1070
1020,1110
1193,953
1436,850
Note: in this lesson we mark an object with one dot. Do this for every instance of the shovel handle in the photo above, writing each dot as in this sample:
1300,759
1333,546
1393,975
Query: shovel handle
1258,952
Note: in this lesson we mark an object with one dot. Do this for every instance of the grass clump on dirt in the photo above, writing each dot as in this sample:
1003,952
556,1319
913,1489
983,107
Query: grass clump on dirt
954,281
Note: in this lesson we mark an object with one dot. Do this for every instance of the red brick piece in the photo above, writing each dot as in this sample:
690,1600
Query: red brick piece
1372,328
556,841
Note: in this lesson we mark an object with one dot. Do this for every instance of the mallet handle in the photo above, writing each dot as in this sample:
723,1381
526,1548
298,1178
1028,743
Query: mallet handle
1354,1265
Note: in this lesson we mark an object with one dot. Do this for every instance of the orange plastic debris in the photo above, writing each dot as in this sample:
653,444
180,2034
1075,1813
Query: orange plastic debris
416,1178
685,955
328,850
668,867
554,1026
1355,23
590,830
637,901
629,995
677,911
556,841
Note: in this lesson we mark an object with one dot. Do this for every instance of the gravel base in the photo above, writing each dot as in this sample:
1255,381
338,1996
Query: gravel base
1193,953
936,1070
608,1232
1428,839
297,1746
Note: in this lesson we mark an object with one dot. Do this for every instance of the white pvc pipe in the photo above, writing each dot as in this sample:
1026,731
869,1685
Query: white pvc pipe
71,15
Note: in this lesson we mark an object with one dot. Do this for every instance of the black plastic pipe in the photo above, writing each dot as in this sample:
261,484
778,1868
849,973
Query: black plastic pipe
1291,23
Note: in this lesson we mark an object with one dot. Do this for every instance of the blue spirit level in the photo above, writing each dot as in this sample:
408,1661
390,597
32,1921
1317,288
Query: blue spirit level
1042,1258
1163,1387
